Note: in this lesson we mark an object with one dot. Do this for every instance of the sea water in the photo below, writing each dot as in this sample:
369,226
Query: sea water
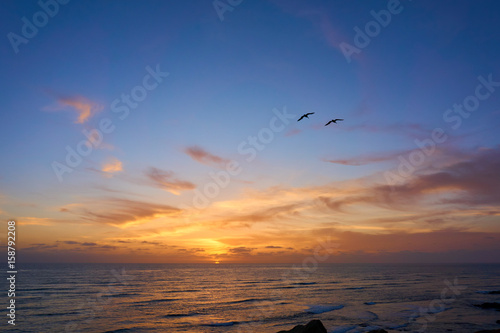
253,298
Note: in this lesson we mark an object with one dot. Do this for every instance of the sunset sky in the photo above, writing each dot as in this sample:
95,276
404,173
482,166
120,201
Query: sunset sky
166,131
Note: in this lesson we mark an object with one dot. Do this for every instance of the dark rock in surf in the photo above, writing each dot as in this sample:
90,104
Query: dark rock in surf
314,326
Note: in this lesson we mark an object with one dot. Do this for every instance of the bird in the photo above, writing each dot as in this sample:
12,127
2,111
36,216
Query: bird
333,121
305,116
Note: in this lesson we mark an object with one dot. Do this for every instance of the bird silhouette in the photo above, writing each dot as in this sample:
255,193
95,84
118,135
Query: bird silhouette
305,116
333,121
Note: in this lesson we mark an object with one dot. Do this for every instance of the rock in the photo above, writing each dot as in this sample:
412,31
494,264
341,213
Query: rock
488,305
314,326
498,321
489,331
378,331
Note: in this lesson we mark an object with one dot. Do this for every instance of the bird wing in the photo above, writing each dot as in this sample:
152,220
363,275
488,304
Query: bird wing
328,123
300,118
310,113
339,119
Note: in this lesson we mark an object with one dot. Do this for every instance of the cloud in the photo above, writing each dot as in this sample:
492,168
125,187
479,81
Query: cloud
90,246
28,220
241,250
117,211
152,243
369,158
456,190
202,156
39,247
70,242
260,215
191,251
84,108
470,182
318,16
273,247
112,165
166,180
404,129
293,132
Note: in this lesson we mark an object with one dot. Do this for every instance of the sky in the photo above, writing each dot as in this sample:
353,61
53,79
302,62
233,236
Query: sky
167,132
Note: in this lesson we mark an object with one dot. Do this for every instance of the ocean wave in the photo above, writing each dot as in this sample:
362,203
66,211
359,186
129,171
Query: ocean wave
294,285
152,301
433,311
121,295
219,324
354,288
184,291
317,309
367,316
248,300
398,327
177,315
56,314
343,329
488,292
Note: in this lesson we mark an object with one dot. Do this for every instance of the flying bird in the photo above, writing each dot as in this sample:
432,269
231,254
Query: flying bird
305,116
333,121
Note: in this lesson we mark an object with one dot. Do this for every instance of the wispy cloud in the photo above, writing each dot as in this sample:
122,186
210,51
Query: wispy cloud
404,129
116,211
263,215
112,165
168,181
28,220
318,17
473,181
240,250
369,158
293,132
202,156
84,108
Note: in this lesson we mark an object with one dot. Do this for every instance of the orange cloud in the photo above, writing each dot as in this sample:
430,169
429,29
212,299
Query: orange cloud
370,158
202,156
84,108
293,132
167,181
116,211
112,166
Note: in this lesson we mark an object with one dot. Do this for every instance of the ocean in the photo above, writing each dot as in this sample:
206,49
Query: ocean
253,298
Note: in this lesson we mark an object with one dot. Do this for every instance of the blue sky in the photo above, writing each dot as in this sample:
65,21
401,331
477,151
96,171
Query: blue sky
225,79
